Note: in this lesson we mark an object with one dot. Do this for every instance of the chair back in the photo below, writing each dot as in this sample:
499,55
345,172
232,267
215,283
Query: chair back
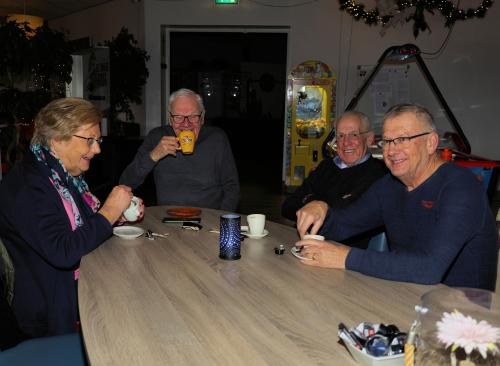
378,243
60,350
497,289
10,334
6,273
15,347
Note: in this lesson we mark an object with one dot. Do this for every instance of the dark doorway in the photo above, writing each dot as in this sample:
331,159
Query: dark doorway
242,79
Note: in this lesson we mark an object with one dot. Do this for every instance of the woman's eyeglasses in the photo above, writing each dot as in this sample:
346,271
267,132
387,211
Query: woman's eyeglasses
91,140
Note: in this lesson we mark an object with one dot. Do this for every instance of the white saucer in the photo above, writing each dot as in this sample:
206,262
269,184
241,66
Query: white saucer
296,253
248,235
128,232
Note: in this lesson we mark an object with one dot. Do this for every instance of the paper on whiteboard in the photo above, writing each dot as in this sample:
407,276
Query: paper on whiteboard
390,86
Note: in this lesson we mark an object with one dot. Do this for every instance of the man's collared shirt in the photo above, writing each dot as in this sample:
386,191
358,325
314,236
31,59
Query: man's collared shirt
338,162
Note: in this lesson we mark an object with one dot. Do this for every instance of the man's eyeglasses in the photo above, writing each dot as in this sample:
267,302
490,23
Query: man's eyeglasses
179,118
350,136
398,141
90,140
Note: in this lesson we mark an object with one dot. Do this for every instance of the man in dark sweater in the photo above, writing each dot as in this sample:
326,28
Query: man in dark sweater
206,178
436,215
343,179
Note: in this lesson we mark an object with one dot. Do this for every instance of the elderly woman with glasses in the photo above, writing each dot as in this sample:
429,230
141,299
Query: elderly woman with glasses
205,178
49,219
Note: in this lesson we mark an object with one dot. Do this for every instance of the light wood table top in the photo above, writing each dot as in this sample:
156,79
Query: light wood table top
174,302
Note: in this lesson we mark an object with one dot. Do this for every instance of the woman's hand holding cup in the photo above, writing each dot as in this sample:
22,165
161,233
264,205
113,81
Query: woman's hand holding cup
117,202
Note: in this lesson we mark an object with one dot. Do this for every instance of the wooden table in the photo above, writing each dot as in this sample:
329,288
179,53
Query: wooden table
174,302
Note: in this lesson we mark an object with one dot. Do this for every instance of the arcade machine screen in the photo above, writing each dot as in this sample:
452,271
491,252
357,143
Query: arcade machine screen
310,115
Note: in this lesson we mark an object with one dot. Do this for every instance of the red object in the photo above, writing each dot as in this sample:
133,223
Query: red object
446,155
3,159
183,211
485,171
478,163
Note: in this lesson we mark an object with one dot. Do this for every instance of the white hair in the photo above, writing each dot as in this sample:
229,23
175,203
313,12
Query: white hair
187,93
365,122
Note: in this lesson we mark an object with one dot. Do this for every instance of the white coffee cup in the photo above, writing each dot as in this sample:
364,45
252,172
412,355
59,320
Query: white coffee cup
256,223
132,212
315,237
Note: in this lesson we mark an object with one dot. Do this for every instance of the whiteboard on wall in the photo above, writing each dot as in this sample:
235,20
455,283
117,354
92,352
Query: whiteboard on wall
390,86
394,84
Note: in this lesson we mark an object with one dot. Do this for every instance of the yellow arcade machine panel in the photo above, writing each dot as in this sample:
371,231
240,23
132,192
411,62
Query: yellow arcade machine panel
310,113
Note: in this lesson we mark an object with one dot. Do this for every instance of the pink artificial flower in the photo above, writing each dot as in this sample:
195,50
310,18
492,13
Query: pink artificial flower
465,332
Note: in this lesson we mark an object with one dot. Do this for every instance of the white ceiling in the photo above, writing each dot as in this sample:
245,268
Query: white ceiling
47,9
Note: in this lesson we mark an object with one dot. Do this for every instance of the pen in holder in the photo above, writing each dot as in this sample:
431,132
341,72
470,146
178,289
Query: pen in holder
230,240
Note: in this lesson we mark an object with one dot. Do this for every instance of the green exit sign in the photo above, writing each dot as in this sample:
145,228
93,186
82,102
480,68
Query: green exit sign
226,1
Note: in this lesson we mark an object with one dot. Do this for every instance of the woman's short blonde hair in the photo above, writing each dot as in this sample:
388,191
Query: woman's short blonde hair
61,118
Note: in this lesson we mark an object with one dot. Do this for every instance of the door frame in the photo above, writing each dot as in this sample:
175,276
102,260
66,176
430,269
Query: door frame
166,52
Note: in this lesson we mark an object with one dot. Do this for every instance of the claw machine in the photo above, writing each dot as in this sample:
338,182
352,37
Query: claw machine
310,112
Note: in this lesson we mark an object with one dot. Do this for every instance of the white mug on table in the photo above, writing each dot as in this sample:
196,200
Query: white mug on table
256,224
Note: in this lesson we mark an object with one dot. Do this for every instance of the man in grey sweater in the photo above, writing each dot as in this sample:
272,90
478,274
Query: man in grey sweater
206,178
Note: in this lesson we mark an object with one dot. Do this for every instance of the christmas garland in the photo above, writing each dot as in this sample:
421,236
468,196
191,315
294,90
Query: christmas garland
445,7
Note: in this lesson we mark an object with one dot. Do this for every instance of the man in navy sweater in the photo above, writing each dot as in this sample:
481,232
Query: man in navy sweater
437,218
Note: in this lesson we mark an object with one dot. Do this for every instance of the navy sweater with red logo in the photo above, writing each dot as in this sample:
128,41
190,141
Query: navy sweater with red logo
442,231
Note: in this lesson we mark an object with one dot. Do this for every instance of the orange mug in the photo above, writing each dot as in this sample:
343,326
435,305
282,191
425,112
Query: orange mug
186,140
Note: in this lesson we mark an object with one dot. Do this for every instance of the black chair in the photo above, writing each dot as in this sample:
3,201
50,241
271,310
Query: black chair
55,351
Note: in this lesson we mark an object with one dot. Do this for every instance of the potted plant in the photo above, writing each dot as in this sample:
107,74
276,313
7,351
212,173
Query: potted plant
34,67
128,74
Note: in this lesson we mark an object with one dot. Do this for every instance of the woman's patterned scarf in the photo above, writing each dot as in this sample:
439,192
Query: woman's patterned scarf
46,157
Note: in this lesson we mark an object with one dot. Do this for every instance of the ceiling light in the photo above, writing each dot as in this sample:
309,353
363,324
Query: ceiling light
34,22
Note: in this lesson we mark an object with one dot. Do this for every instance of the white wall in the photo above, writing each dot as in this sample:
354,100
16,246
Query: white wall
465,72
104,22
307,38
